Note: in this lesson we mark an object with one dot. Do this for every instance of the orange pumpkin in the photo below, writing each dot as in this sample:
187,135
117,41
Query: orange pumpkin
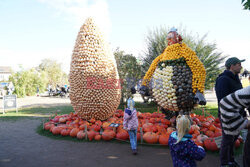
81,135
73,132
204,130
62,119
65,132
92,120
237,143
98,137
209,133
98,122
91,135
81,122
212,127
163,139
122,135
48,125
105,125
150,137
217,125
74,125
56,130
147,127
210,144
217,134
198,143
51,127
95,127
206,124
201,137
196,132
170,130
108,134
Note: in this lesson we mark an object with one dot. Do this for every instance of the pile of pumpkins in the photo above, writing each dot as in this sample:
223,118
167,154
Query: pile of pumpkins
94,81
153,128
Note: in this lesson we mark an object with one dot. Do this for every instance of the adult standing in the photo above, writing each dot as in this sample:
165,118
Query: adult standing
37,91
232,120
10,88
228,82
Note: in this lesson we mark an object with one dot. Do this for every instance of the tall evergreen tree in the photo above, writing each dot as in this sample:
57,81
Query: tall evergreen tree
54,72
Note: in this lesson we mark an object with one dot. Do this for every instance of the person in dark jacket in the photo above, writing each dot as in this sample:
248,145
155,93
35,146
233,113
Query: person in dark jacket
183,150
228,82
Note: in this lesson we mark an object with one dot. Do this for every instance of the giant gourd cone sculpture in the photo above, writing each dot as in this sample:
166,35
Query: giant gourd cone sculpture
94,81
178,77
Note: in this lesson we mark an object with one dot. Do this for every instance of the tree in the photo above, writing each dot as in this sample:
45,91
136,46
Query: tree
55,75
246,4
129,72
156,43
27,81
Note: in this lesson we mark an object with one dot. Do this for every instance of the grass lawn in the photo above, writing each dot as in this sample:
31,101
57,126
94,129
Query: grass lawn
210,108
245,82
42,112
45,112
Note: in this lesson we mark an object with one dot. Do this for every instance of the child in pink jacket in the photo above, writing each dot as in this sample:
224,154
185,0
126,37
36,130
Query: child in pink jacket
130,123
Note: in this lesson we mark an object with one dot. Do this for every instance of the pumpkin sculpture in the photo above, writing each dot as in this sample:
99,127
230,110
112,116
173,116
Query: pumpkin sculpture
178,77
94,82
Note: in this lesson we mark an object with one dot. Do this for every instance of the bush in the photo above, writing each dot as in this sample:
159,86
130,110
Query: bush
27,81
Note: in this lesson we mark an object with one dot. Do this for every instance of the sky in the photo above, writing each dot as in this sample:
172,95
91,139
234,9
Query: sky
33,30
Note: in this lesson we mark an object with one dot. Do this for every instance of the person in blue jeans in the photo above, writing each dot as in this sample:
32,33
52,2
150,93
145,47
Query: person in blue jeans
183,150
130,123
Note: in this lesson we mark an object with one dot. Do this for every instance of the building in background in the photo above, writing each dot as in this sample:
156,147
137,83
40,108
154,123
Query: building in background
5,72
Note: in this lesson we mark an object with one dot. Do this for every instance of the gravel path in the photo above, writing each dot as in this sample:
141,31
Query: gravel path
21,146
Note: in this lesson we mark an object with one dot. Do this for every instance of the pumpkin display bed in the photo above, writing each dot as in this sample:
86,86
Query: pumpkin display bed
153,129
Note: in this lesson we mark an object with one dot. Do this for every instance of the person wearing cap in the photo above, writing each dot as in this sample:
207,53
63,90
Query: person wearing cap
226,83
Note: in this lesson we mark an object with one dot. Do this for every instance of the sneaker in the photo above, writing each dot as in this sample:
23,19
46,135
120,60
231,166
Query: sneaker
134,151
234,164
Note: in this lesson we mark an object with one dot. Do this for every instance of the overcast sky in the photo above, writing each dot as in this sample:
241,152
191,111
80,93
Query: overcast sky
32,30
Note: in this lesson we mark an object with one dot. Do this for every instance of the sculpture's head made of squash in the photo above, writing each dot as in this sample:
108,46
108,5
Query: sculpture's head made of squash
173,37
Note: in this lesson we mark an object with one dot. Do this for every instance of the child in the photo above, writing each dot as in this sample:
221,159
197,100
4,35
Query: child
130,123
183,150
